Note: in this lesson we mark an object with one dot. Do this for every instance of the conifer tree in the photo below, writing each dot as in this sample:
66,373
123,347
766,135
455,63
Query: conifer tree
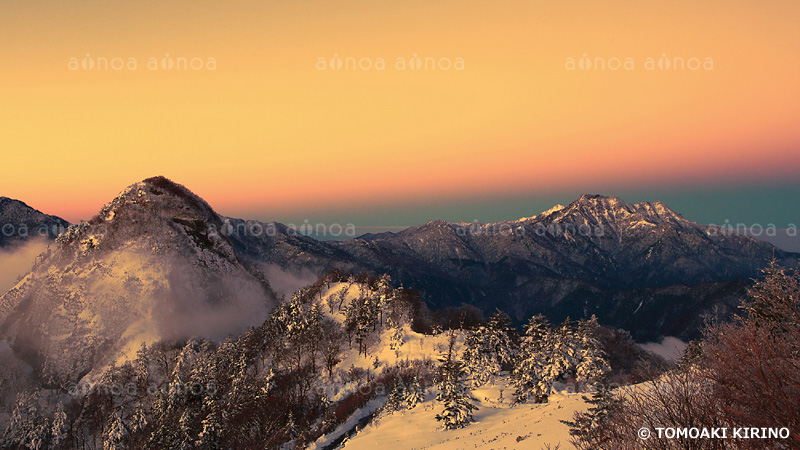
453,392
489,348
396,398
414,394
592,365
27,427
115,436
60,426
587,426
532,374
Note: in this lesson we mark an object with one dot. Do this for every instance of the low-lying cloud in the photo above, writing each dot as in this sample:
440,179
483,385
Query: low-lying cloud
211,305
287,282
670,348
17,261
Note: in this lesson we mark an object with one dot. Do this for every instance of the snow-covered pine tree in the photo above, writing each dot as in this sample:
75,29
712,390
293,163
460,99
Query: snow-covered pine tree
489,348
592,364
60,426
478,359
138,419
562,349
361,318
585,424
532,374
396,400
27,427
142,366
211,430
414,394
115,436
396,339
503,336
453,392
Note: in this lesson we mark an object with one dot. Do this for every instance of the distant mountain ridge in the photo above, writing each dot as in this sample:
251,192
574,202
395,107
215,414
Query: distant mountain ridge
639,266
19,223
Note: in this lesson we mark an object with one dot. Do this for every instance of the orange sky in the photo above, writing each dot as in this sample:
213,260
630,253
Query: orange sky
264,129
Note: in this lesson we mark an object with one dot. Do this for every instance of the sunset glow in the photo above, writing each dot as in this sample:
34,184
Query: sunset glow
251,123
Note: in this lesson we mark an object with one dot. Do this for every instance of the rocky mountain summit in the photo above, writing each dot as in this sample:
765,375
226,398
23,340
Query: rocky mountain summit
143,269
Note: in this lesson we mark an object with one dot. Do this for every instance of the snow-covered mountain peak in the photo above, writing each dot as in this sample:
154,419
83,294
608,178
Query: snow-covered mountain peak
155,212
150,265
542,214
615,212
162,195
658,209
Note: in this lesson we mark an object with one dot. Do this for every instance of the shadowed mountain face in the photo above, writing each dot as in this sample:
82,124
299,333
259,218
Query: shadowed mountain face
145,268
638,266
19,223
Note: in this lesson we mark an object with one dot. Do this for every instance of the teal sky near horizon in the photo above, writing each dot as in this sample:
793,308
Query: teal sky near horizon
751,205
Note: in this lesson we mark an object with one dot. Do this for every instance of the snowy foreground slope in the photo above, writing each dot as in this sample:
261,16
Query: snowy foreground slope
497,426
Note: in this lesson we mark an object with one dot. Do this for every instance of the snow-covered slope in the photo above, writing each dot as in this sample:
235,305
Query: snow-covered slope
143,269
408,345
497,425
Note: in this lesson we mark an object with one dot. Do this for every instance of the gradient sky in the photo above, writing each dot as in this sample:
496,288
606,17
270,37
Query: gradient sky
266,134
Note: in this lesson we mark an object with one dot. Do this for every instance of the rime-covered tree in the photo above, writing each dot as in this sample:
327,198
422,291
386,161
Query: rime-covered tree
396,400
532,374
27,427
587,427
489,348
184,434
138,419
592,364
60,427
116,434
212,427
548,355
361,319
774,302
414,394
453,392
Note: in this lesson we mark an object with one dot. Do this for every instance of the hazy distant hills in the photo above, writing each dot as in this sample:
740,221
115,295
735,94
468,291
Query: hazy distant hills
158,262
19,223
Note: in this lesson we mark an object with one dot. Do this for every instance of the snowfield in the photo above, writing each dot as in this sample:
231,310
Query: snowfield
497,425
